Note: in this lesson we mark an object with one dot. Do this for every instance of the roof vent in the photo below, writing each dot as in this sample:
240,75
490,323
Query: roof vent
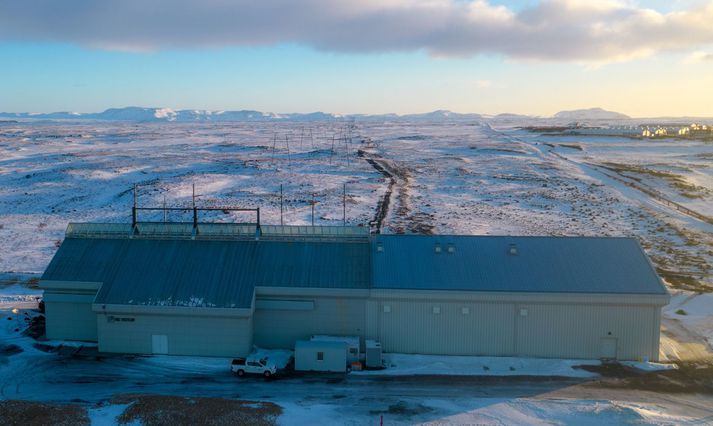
512,250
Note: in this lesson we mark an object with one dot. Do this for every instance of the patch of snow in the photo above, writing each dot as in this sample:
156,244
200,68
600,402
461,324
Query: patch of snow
280,358
19,296
406,364
106,415
166,113
649,366
694,311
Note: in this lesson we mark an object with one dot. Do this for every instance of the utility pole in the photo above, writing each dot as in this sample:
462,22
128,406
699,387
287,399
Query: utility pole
195,211
313,209
281,208
133,209
287,142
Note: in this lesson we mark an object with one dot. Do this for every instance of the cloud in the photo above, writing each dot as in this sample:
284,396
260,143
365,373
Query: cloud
699,57
552,30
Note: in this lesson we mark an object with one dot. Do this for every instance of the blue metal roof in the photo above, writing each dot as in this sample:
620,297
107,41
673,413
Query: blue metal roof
540,264
184,272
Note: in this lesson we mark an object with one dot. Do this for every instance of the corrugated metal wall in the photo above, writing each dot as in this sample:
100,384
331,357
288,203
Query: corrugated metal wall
535,326
449,328
578,331
514,329
186,335
468,327
71,320
341,316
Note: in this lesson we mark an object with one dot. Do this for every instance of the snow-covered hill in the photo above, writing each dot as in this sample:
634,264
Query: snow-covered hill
143,114
591,114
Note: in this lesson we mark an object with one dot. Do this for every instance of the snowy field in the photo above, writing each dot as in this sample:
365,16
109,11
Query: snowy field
442,177
448,177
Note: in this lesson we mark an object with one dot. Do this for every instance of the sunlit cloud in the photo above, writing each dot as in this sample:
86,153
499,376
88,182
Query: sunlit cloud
699,57
599,31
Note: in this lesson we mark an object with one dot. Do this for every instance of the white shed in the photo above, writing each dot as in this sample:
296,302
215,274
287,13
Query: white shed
318,355
353,345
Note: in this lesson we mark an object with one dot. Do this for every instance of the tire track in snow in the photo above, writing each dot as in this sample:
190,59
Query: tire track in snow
399,181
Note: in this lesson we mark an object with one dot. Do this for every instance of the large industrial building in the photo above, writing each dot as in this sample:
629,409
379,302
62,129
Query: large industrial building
218,289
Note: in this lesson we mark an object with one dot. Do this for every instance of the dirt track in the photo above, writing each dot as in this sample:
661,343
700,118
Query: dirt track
398,179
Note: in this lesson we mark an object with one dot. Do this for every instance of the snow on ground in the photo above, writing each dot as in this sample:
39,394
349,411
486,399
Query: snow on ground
694,311
280,358
448,177
405,364
106,415
19,296
492,411
649,366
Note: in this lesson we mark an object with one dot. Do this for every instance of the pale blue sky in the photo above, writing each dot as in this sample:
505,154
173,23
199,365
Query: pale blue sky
91,71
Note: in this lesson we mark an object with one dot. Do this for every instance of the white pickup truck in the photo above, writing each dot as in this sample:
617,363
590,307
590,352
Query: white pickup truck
242,366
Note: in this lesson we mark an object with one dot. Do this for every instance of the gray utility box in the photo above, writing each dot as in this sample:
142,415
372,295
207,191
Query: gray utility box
311,355
373,354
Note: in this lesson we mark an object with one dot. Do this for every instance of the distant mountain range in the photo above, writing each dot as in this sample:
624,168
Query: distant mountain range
141,114
591,114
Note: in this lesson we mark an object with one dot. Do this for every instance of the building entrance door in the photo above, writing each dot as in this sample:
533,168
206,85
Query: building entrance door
608,348
159,344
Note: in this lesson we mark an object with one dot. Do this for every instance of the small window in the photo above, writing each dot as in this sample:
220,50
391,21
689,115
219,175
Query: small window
438,248
320,356
465,310
451,248
436,310
387,308
523,312
379,247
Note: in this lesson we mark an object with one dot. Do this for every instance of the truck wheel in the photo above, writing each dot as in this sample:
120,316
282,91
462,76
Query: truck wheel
267,374
241,373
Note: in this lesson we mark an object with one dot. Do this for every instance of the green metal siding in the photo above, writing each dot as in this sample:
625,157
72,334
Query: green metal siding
536,328
186,335
576,331
71,321
340,316
411,326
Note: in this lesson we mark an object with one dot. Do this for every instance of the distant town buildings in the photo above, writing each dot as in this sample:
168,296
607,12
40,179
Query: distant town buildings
693,131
